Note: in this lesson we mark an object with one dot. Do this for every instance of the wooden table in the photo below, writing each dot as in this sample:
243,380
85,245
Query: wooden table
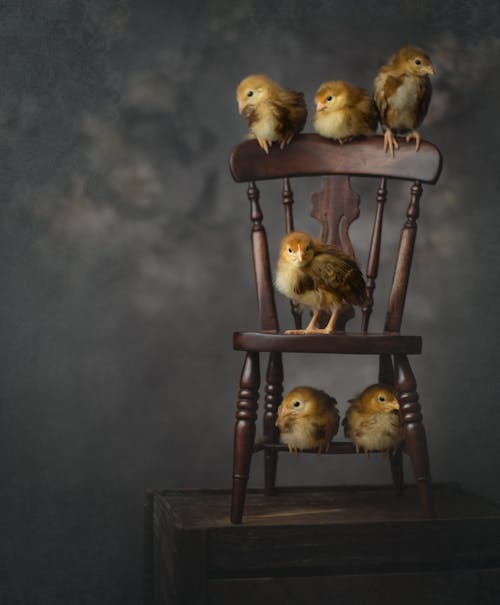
340,546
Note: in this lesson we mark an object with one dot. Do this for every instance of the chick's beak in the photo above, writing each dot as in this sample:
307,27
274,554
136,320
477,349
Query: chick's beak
392,405
320,106
430,70
281,417
241,106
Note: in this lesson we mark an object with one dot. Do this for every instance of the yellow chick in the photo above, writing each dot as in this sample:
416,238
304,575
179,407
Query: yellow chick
402,91
344,111
318,276
273,113
372,420
307,419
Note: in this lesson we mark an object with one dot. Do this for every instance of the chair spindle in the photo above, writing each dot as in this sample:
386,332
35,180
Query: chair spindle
374,254
404,257
260,252
287,199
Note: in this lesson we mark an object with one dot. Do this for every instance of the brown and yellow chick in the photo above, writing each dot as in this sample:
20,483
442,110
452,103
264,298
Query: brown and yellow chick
273,113
307,419
318,276
402,91
372,420
344,111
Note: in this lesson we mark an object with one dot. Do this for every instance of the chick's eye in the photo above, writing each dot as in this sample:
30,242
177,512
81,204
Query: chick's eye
381,398
418,62
329,98
307,248
250,93
296,404
290,250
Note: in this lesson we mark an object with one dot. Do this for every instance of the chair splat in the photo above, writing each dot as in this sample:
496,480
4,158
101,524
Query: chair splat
336,206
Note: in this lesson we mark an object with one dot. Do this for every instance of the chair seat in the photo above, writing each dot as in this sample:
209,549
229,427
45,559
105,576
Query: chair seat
348,343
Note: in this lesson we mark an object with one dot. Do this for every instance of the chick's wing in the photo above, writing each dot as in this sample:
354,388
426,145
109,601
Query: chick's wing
330,271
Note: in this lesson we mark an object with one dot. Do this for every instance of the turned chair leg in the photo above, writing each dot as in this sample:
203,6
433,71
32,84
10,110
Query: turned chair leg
386,376
397,471
244,432
414,432
274,394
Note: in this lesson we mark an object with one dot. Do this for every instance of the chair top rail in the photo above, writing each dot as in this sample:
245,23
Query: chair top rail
313,155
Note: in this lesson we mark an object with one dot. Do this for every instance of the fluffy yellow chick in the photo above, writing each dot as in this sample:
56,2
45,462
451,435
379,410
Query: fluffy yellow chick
318,276
273,113
402,91
344,111
372,420
307,419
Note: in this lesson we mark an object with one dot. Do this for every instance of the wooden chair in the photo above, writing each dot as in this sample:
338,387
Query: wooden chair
335,206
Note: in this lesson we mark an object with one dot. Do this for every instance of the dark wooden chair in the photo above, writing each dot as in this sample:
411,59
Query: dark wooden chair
335,206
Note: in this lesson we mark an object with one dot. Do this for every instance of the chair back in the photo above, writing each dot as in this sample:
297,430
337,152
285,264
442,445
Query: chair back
336,206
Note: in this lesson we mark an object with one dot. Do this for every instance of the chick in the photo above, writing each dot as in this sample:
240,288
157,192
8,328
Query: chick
318,276
307,419
273,113
402,91
344,111
372,420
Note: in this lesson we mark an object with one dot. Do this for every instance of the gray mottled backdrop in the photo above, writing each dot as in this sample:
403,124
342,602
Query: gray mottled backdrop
125,260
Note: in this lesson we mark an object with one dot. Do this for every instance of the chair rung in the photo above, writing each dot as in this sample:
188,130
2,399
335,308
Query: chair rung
336,447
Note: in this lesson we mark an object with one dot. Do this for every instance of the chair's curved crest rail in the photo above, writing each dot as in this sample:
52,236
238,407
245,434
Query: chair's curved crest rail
311,154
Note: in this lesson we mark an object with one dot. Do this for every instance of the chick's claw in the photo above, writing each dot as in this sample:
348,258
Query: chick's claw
286,141
390,142
414,135
263,144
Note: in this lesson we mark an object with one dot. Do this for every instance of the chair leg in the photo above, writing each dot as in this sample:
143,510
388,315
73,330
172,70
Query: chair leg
397,471
274,393
414,433
386,376
244,432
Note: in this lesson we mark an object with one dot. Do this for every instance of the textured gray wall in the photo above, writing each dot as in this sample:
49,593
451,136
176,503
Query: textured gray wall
125,260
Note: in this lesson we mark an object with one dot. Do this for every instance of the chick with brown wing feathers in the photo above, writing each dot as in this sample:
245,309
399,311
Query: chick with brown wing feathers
372,420
318,276
402,91
307,419
344,111
273,113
